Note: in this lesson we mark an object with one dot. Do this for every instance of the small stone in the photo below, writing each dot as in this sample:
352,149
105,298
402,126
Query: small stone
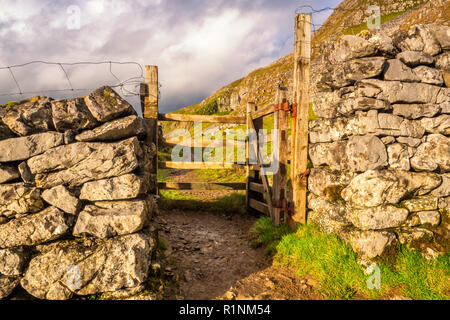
432,154
61,198
371,244
17,199
7,285
109,219
114,130
128,186
408,236
374,188
72,114
388,140
34,229
13,261
17,149
429,75
421,204
398,156
366,153
415,58
378,218
412,142
398,71
8,173
106,105
416,111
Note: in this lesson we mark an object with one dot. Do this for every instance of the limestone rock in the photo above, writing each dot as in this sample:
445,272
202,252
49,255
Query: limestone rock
62,199
409,235
398,156
371,244
352,71
41,227
327,184
429,75
5,132
388,140
351,47
114,130
105,105
13,261
16,149
84,270
350,105
421,204
444,188
416,111
431,218
433,154
333,210
327,224
411,142
439,124
420,38
62,157
17,198
389,121
327,130
442,34
377,218
32,116
375,188
398,71
415,58
128,186
109,219
419,183
108,160
72,114
443,61
325,104
365,153
404,92
8,173
331,154
444,203
7,285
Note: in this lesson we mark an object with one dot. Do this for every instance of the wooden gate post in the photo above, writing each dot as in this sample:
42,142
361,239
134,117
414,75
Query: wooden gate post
250,174
149,105
280,178
302,61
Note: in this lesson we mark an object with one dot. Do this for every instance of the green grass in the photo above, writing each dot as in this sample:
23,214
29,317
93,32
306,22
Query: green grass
264,233
334,265
232,203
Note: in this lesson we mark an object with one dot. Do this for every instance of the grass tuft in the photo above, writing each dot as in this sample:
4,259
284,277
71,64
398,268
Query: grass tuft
335,266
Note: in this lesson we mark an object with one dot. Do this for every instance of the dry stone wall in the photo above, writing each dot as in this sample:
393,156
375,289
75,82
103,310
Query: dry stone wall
380,146
76,196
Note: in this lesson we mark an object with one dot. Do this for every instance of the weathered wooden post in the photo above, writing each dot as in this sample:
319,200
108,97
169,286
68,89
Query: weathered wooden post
149,104
280,179
302,61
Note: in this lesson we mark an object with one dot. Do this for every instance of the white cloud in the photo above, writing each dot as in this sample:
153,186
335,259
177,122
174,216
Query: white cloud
198,45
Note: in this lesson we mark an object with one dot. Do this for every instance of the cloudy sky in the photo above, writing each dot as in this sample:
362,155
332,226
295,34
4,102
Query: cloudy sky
199,45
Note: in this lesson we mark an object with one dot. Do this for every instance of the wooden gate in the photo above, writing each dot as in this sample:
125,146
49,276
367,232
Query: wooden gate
281,202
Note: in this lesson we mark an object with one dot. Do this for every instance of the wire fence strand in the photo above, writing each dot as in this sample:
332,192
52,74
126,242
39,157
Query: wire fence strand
128,87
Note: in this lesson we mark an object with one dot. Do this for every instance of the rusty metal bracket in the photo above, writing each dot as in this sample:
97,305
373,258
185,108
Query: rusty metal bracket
293,111
286,106
286,207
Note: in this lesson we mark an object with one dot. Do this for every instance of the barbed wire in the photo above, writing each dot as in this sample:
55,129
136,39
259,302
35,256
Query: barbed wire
123,85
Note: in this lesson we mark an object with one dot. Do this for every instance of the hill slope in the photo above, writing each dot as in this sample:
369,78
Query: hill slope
348,18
